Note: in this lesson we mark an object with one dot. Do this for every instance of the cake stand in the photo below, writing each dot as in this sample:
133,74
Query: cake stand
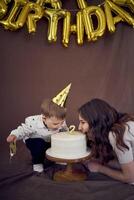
69,174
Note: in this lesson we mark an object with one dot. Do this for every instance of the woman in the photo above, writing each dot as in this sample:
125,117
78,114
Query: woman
111,135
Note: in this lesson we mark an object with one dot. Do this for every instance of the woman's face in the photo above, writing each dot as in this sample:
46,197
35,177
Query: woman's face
83,125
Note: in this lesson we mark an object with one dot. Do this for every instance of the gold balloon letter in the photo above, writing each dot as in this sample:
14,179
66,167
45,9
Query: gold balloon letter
111,21
92,33
56,4
124,15
80,28
11,21
77,28
53,17
82,4
127,3
3,8
66,29
31,18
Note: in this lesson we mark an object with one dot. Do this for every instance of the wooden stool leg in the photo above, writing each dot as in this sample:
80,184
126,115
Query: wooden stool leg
70,174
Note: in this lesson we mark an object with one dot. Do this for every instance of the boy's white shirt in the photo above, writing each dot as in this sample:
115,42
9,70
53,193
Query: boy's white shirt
35,128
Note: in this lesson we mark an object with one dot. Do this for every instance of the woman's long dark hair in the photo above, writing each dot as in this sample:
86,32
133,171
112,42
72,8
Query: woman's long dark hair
102,118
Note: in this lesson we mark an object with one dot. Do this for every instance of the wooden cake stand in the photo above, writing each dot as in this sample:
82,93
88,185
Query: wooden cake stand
69,174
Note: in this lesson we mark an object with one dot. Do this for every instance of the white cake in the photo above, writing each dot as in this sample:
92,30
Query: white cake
68,145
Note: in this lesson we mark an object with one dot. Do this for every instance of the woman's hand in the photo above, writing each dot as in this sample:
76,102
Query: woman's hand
94,166
125,174
11,138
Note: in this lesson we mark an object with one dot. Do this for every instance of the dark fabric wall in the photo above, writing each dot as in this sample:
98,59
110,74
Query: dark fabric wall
32,69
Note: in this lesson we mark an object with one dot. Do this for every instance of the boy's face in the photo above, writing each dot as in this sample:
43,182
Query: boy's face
52,123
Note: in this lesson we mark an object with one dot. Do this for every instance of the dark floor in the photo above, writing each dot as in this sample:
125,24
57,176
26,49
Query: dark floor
18,183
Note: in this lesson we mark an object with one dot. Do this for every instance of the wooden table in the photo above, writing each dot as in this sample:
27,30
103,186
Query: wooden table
69,174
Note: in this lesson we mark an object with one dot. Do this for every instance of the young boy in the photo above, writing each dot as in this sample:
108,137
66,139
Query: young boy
37,130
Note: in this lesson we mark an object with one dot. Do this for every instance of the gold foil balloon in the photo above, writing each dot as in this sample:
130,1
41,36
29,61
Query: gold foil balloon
111,21
77,29
66,29
31,18
109,18
11,21
7,1
25,11
80,28
92,33
73,28
56,4
82,4
3,8
127,3
53,16
117,19
121,12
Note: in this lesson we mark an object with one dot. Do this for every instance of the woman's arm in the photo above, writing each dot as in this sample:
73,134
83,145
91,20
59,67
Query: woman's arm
125,174
125,159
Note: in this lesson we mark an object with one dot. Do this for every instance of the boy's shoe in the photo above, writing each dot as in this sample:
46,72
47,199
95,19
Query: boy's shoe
38,167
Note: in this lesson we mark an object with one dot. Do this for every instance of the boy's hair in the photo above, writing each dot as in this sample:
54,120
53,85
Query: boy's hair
51,109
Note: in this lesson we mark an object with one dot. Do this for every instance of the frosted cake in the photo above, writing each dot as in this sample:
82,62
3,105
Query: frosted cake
68,145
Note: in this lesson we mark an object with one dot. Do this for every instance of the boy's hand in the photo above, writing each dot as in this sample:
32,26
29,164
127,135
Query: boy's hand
11,138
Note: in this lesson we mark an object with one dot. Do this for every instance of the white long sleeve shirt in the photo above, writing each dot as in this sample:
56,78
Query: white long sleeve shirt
35,128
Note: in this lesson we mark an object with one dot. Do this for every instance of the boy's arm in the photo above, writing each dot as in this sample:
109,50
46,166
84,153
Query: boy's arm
23,130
